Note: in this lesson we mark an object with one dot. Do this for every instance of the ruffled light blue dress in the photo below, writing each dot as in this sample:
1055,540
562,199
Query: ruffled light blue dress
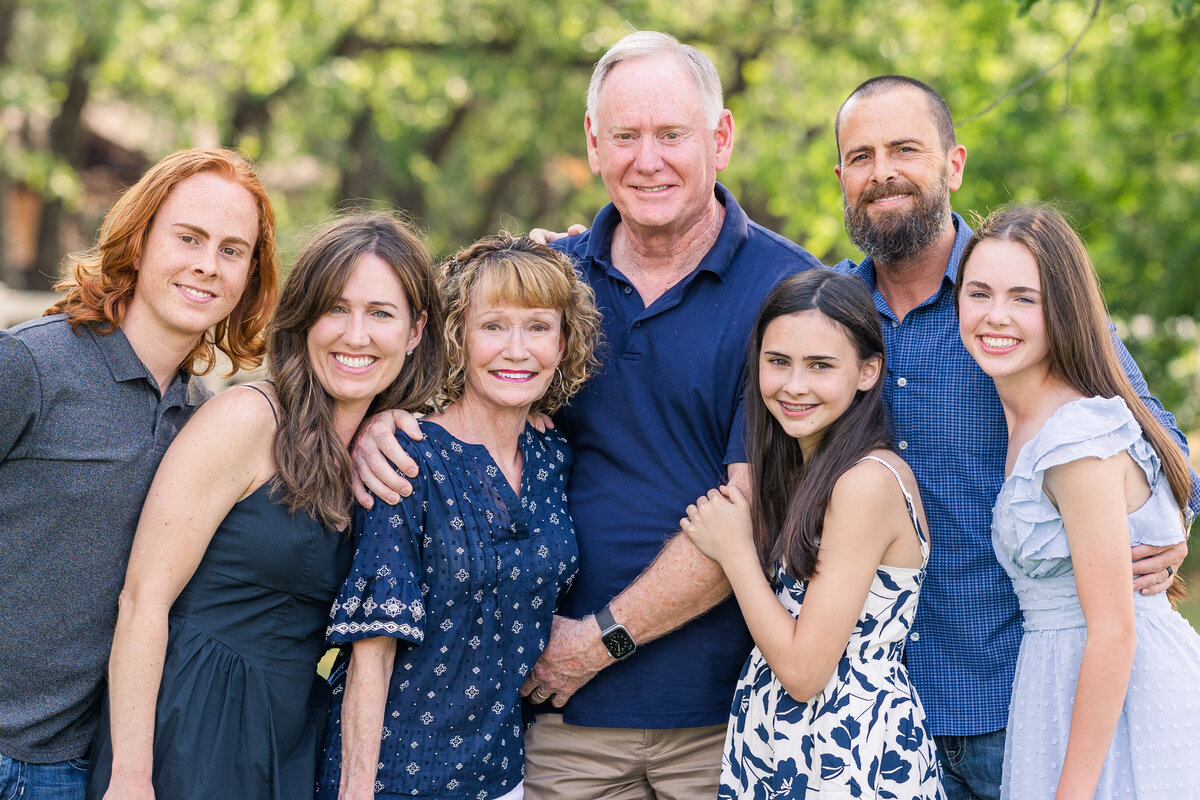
1155,752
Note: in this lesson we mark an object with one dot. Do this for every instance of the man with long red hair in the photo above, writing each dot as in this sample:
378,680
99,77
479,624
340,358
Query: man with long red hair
90,397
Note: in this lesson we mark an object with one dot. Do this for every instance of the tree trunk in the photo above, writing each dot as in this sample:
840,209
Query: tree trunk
65,143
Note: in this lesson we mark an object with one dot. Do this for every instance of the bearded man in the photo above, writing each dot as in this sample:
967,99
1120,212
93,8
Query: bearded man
898,161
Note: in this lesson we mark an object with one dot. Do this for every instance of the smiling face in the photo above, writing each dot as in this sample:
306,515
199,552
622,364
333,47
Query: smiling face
511,352
195,259
1000,314
895,173
358,347
809,373
653,147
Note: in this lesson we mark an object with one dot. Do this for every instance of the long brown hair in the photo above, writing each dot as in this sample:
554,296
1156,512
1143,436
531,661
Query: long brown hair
313,466
791,495
103,278
1081,351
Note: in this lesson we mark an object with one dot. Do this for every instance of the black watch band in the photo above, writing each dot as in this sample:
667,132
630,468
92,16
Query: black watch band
616,639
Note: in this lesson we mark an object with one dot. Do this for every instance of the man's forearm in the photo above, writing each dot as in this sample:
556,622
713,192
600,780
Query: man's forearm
678,586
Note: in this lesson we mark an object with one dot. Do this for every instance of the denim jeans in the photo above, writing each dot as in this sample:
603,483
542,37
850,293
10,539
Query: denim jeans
62,780
972,765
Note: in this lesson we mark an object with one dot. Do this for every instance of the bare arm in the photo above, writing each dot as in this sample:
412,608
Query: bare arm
219,457
367,681
866,515
1091,498
678,586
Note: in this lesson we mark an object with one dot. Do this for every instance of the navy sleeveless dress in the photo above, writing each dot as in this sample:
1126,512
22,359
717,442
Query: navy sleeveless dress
241,710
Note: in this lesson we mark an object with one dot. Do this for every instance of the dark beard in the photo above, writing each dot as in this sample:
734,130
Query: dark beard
898,236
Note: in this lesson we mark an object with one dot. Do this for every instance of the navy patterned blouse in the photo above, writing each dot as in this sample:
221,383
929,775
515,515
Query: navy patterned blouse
467,575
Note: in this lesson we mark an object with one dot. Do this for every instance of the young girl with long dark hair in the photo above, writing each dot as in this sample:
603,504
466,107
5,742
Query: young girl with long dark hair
1106,696
824,706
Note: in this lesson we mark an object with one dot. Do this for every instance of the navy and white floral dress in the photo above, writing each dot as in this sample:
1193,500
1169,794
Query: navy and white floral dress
466,574
864,735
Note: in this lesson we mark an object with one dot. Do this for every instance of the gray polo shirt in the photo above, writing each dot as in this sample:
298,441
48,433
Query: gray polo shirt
82,430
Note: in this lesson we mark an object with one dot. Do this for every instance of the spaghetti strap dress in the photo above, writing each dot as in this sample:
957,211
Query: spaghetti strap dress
865,734
241,710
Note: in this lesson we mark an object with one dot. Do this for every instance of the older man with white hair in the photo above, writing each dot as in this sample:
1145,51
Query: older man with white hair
643,659
679,272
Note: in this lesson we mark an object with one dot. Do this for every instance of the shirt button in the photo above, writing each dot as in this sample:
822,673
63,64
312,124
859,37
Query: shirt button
901,381
628,290
903,445
914,636
895,323
637,324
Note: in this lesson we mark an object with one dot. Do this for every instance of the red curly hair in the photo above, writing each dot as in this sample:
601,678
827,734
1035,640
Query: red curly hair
103,278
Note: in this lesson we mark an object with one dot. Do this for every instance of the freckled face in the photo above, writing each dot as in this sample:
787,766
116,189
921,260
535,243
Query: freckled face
653,147
1000,314
809,373
196,258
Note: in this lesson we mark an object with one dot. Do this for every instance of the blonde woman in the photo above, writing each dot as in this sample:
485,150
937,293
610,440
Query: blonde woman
450,599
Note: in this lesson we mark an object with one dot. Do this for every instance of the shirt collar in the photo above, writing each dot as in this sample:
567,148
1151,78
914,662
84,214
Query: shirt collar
124,365
734,232
865,269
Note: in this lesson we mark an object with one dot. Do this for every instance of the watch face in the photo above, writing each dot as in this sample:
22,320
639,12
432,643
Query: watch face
619,643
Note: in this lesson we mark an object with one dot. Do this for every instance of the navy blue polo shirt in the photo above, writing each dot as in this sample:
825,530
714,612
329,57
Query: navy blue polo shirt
653,431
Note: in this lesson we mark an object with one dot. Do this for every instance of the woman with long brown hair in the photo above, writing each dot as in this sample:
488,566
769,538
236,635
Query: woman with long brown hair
826,564
1106,696
240,547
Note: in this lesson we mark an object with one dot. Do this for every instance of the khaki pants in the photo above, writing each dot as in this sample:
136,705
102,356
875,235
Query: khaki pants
575,762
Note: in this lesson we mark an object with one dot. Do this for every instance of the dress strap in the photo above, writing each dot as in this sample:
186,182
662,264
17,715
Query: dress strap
912,509
270,402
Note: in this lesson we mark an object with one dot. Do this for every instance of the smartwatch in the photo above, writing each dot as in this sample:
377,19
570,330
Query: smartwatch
616,639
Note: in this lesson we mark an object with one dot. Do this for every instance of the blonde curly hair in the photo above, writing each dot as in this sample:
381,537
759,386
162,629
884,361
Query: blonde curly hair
521,272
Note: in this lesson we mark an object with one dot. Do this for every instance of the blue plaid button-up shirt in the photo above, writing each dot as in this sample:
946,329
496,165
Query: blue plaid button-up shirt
949,426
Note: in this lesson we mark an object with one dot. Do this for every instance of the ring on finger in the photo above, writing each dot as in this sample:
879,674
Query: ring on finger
1170,571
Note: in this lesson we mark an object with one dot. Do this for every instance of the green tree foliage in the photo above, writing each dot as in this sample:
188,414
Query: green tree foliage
468,113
